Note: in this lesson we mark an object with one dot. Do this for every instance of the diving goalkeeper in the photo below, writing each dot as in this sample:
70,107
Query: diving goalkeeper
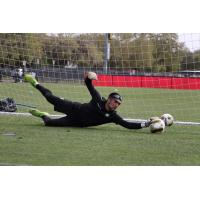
98,111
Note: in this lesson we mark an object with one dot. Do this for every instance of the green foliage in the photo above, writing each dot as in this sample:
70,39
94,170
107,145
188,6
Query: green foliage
15,48
147,52
138,51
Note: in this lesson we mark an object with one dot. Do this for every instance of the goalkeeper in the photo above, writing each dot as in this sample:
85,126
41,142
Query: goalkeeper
98,111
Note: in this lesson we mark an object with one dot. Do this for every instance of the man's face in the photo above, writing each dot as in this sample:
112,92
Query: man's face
112,104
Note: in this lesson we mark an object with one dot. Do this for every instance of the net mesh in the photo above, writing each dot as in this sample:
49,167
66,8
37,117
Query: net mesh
156,73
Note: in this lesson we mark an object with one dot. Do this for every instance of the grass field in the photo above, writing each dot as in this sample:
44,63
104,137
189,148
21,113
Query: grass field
106,145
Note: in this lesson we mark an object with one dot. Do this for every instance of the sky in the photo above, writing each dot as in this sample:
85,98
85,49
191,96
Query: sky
191,40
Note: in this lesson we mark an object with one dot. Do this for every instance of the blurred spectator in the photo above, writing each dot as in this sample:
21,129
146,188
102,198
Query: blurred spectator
20,74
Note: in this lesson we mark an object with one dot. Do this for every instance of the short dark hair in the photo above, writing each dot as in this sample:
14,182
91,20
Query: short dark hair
115,95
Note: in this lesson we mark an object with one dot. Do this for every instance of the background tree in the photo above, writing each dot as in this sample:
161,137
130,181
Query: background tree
145,52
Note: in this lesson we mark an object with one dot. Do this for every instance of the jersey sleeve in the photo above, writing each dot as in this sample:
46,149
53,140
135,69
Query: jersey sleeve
93,92
126,124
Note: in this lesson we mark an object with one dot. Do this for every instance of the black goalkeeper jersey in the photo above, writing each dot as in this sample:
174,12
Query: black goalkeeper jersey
94,112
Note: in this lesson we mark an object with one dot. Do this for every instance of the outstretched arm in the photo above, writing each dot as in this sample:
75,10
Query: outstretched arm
130,125
93,92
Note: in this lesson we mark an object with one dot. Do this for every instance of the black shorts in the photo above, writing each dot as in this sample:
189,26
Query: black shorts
67,107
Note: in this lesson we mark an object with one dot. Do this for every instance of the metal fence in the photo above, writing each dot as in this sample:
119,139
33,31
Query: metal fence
49,74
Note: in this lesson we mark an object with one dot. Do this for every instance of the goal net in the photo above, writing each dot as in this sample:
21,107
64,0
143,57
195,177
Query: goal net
156,73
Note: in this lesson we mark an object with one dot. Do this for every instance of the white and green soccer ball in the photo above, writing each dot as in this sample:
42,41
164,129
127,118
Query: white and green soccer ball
157,126
168,119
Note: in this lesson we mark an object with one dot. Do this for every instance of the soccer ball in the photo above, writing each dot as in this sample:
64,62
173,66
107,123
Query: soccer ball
92,75
168,119
157,125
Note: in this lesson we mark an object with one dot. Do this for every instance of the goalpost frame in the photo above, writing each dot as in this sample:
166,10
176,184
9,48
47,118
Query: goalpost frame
107,37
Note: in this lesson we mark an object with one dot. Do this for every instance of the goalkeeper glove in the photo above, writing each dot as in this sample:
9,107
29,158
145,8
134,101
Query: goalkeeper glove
150,121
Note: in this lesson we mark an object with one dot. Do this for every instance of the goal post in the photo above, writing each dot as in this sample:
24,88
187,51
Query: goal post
156,73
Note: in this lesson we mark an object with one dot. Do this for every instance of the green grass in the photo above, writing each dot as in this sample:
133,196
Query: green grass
106,145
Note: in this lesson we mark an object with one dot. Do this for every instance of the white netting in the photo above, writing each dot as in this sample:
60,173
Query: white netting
155,73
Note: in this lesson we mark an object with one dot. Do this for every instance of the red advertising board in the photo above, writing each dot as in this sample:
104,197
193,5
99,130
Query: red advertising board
148,82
